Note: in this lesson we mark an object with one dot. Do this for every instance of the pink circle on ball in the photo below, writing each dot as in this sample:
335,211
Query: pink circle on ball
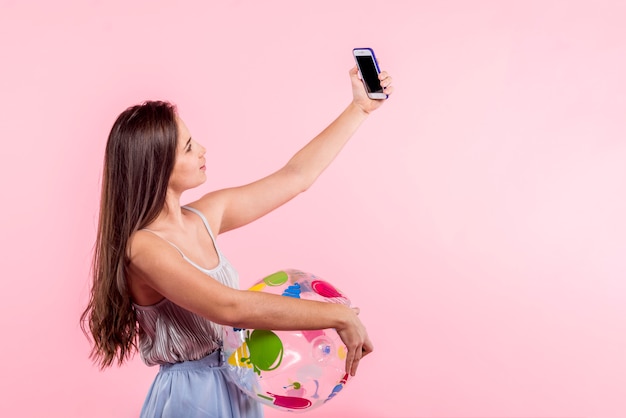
325,289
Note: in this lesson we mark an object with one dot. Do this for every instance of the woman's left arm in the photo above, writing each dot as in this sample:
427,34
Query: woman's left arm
239,206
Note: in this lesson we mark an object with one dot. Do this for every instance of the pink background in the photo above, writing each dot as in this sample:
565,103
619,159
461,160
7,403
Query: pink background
477,219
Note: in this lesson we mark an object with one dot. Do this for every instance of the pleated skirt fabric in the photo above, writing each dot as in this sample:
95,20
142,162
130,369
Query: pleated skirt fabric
198,389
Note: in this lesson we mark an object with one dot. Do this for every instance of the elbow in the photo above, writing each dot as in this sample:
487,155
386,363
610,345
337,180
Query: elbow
299,179
224,310
303,187
234,312
231,316
234,318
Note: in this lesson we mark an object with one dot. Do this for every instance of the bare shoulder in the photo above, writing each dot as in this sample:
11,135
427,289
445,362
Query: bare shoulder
147,251
142,243
142,249
159,271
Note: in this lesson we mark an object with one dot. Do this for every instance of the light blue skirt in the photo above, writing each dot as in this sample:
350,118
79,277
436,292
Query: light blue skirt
198,389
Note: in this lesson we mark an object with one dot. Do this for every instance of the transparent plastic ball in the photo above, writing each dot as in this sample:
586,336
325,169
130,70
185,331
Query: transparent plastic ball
294,371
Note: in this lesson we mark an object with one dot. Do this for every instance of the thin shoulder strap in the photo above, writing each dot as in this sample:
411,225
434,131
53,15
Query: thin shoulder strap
166,240
206,223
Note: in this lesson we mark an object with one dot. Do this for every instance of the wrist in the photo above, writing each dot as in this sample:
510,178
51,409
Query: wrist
358,109
343,316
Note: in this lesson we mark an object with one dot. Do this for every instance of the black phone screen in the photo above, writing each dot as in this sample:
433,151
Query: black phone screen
369,73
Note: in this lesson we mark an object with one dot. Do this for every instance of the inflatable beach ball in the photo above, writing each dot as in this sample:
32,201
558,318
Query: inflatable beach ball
290,370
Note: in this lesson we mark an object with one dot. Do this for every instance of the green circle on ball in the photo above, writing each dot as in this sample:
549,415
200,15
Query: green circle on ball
276,279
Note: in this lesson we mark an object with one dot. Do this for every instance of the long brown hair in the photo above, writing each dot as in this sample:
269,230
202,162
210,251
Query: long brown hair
139,160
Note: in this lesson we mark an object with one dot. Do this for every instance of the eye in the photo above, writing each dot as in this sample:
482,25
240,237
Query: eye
188,148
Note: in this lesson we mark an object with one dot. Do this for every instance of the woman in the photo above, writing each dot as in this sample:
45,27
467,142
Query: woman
161,284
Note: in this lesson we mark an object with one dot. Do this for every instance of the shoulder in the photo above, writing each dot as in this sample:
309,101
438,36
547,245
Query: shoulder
157,270
140,241
145,246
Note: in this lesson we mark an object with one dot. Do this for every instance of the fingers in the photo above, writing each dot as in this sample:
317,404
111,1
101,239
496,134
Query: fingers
357,342
357,355
367,348
354,355
353,359
385,82
354,72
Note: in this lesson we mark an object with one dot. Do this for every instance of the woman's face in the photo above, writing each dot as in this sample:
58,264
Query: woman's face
189,167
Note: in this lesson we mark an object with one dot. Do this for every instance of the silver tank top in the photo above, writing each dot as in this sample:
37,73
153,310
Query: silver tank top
169,333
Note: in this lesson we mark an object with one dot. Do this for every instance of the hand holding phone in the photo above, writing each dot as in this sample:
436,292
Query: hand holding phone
369,70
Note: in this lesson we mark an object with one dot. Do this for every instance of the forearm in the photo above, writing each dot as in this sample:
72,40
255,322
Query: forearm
259,310
314,157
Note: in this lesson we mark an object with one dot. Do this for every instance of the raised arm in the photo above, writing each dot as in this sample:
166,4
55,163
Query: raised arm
235,207
154,263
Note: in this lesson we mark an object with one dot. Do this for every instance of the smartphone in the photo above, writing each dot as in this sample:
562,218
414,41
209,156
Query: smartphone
368,67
